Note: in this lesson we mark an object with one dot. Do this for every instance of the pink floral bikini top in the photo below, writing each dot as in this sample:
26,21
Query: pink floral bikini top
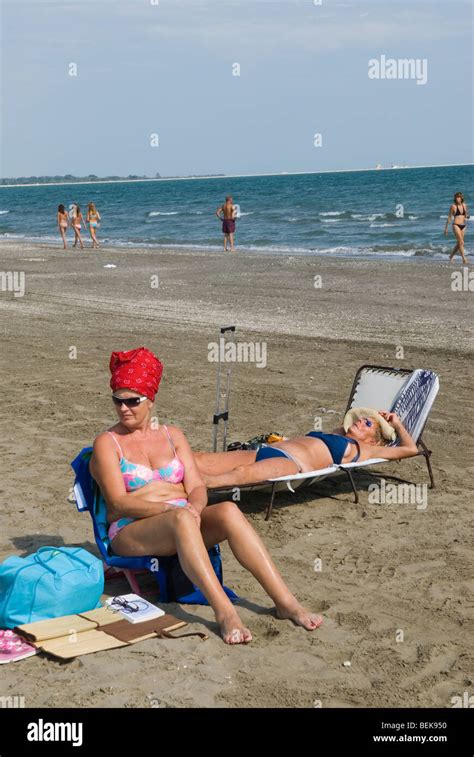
136,475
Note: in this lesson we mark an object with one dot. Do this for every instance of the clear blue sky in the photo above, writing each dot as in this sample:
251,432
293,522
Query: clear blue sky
167,69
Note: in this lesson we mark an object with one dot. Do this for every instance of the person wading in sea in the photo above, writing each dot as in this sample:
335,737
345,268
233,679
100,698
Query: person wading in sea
227,213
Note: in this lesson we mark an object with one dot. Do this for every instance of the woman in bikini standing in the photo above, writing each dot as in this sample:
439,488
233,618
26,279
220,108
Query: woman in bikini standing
158,506
63,223
93,218
459,212
77,220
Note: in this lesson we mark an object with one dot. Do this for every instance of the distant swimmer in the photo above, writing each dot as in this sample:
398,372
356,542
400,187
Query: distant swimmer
77,221
93,219
459,212
63,223
227,213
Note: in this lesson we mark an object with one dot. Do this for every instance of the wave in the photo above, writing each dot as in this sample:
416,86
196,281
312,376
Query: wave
378,225
367,216
344,250
332,220
163,213
264,246
3,212
333,213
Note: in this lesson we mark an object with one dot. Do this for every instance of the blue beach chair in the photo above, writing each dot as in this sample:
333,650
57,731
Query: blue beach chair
173,584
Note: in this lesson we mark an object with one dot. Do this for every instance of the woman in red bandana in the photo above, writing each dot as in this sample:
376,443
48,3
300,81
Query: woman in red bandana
157,501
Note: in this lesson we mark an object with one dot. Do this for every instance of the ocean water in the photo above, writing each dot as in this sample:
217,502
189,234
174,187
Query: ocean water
393,213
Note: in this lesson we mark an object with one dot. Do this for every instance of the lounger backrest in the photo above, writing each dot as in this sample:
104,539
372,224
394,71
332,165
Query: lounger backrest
377,387
408,393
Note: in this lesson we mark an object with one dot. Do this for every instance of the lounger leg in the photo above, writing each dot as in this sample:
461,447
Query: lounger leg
270,504
352,482
427,454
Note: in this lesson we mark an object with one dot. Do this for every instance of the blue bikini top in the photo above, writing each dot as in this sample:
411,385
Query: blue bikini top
336,444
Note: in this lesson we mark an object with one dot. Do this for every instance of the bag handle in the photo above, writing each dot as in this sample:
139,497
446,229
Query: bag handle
63,551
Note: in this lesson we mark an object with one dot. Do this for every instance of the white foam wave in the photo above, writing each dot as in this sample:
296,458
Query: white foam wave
163,213
367,216
381,225
331,220
345,250
333,213
3,212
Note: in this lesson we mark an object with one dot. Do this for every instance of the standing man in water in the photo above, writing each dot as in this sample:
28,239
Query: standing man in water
227,213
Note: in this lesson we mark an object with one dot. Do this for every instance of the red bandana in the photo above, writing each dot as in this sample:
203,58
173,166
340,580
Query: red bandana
138,370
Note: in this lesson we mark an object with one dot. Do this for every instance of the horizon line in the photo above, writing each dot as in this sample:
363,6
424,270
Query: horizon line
230,176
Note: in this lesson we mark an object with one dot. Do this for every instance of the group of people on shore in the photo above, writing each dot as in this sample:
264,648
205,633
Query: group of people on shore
75,219
228,212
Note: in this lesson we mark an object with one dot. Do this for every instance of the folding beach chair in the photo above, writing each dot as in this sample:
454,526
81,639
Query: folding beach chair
409,393
173,585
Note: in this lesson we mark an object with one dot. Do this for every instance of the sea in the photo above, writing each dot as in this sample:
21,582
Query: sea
394,213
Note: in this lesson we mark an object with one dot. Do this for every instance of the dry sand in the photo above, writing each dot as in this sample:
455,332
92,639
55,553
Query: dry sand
385,568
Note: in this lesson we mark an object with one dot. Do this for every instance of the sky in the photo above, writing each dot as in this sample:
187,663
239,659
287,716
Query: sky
167,68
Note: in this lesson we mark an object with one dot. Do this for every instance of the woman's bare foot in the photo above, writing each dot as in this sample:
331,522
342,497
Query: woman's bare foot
300,616
232,629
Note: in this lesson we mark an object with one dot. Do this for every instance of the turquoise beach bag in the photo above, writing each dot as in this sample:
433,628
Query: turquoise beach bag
52,582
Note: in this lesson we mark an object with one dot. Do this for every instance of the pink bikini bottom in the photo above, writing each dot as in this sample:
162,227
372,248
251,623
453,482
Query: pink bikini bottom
117,525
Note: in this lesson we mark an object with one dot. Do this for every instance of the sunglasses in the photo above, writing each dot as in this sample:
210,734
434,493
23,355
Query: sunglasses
123,605
127,401
368,422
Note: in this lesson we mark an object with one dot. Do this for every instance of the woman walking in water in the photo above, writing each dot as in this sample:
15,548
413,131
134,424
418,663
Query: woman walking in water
460,213
63,223
77,220
228,211
93,218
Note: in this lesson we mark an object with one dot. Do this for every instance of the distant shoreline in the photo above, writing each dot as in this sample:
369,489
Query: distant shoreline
229,176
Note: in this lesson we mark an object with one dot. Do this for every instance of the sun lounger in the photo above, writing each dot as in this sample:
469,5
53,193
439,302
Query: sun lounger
409,393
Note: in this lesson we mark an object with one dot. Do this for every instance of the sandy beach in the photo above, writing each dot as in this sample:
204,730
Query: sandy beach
385,568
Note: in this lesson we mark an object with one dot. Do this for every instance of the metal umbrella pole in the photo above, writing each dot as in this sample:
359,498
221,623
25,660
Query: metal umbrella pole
222,390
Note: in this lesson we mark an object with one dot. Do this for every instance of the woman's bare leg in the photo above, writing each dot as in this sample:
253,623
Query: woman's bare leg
251,473
226,521
213,463
95,243
177,532
63,237
460,243
465,259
